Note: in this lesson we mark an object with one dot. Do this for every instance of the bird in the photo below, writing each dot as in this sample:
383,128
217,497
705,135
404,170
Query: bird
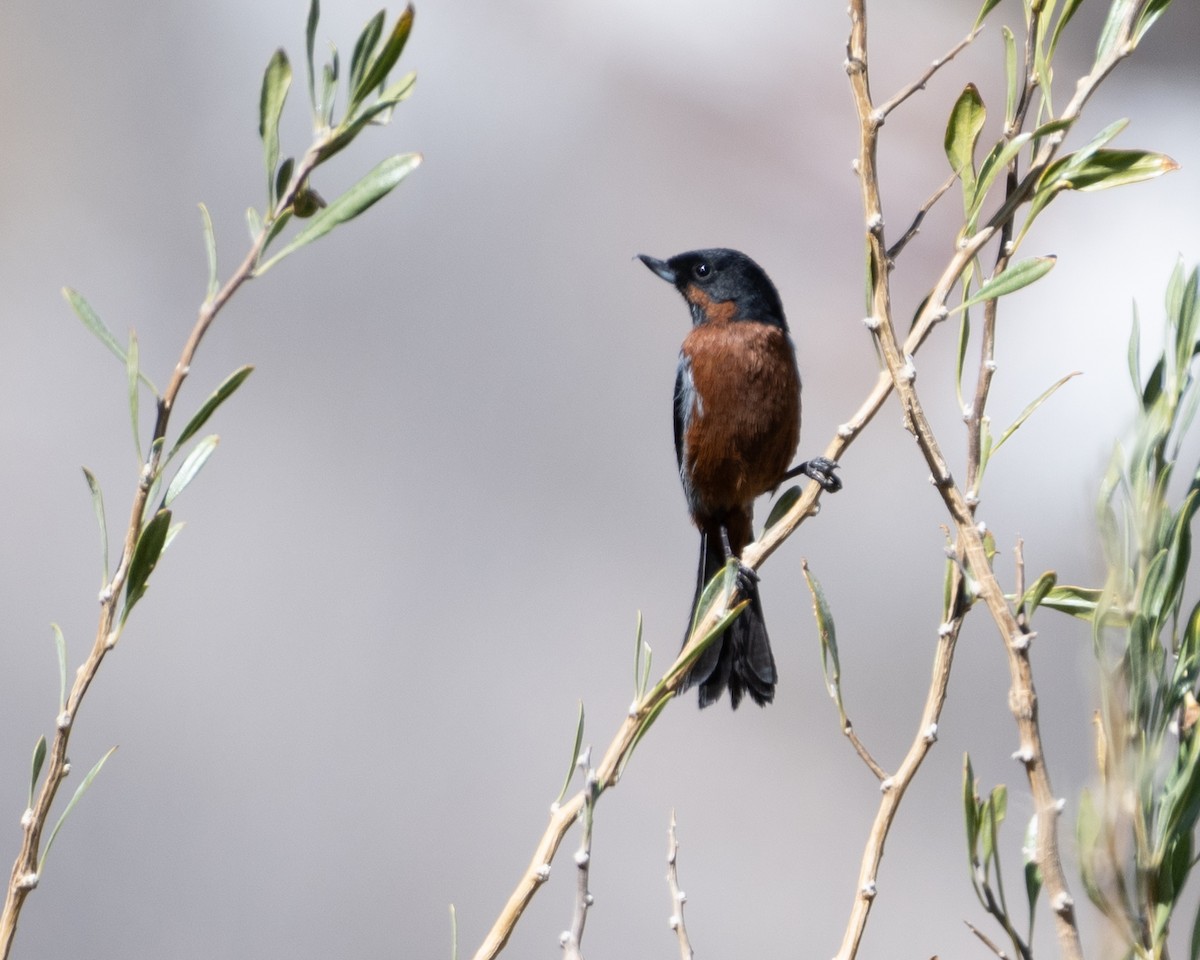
737,427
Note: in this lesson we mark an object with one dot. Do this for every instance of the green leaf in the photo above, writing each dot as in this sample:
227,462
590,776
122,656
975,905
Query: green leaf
364,49
1029,410
60,648
830,664
574,755
378,112
993,164
642,658
174,530
276,80
310,37
1115,168
1134,357
92,321
970,811
87,782
210,250
329,78
988,6
145,556
781,506
218,397
282,178
192,465
39,758
962,133
131,369
1033,873
1010,75
254,224
1068,11
1020,274
98,508
1153,10
1037,593
1078,602
370,189
376,75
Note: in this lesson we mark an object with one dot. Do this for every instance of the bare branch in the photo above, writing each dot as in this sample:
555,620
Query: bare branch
678,898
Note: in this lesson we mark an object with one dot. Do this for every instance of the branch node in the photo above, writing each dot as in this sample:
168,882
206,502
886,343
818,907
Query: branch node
1021,640
543,873
875,222
581,858
930,735
1023,755
909,371
106,594
886,784
845,431
941,313
27,881
27,818
1060,804
868,890
64,721
871,323
1063,903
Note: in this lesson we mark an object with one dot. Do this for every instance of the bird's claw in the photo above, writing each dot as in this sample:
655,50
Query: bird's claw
822,470
747,579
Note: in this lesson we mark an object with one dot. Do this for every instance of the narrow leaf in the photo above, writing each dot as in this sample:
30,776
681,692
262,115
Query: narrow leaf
376,75
60,648
1010,76
1078,602
98,508
1020,274
92,321
145,557
254,224
172,533
276,80
39,758
830,664
370,189
192,465
1068,11
283,177
364,49
994,164
574,755
1115,168
962,132
87,782
780,507
218,397
1033,873
310,37
131,369
988,6
210,250
1037,593
1028,411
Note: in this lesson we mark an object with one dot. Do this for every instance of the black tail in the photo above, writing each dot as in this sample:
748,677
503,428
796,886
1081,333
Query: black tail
741,657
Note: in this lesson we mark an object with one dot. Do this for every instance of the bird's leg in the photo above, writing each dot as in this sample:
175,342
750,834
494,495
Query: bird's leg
819,469
747,577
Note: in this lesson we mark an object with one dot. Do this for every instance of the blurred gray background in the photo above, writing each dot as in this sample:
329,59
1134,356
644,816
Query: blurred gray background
449,487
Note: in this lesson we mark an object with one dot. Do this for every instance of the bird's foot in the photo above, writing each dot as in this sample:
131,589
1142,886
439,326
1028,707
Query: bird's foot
820,469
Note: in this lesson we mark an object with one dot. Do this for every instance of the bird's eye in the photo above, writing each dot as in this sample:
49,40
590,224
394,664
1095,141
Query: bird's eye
701,270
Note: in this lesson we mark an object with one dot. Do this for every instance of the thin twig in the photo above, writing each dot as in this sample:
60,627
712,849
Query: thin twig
915,226
986,942
572,940
1022,698
862,751
678,897
24,877
919,84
